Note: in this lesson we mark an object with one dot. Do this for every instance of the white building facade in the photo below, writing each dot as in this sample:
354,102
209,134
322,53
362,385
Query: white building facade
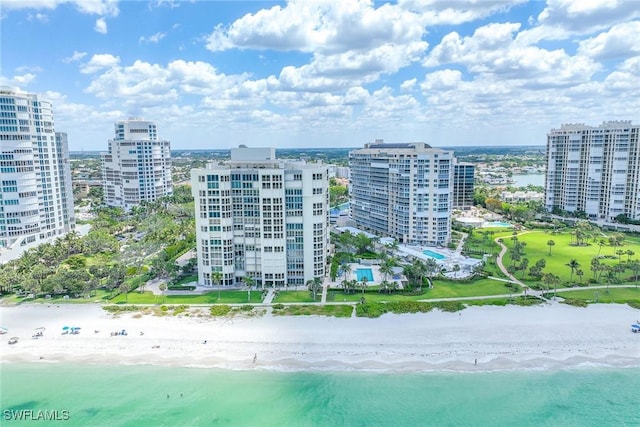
137,166
36,198
403,191
595,170
262,218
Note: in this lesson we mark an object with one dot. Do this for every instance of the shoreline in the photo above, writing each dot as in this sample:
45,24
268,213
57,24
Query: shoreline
549,337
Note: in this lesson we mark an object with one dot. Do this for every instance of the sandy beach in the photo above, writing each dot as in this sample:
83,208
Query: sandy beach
553,336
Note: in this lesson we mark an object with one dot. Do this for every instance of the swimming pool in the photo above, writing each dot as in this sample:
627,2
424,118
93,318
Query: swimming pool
433,254
364,273
497,224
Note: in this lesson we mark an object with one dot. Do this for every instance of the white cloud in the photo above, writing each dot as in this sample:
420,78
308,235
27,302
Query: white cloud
620,41
442,79
562,19
494,50
75,57
320,26
40,17
93,7
408,85
155,38
101,26
99,62
29,69
447,12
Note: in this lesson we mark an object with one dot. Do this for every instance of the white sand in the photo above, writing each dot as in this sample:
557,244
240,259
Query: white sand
500,338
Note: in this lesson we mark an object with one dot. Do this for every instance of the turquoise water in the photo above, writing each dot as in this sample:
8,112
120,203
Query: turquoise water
364,272
497,224
433,254
137,396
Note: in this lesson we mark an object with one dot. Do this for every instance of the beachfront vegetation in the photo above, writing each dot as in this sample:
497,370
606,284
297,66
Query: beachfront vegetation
591,296
313,310
120,253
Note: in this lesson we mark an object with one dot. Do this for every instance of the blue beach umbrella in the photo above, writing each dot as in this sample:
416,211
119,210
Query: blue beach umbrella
64,328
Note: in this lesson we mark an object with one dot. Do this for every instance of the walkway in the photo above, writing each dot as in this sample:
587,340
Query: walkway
513,278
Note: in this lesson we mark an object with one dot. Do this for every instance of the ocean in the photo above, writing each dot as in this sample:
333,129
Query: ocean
144,395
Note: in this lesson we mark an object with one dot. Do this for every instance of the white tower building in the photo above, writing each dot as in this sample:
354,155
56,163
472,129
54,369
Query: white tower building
403,191
594,170
137,166
36,199
260,217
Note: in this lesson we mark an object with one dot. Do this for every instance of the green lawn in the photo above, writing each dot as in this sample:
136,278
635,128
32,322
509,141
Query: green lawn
315,310
226,297
615,295
296,296
441,289
562,252
481,287
99,295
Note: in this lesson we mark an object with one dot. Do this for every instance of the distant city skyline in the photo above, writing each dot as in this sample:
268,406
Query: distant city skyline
324,73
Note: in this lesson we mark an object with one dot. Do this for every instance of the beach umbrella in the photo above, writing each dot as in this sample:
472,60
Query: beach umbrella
64,328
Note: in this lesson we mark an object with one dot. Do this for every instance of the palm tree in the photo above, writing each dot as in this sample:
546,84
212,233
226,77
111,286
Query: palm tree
249,281
346,270
162,287
364,283
419,272
551,279
124,289
610,277
456,268
620,252
431,267
550,243
216,276
629,253
386,269
579,273
601,243
635,268
573,265
314,285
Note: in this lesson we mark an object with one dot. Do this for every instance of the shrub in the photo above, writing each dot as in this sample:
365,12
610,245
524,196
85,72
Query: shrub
449,306
278,306
120,309
371,309
575,302
181,288
246,307
634,304
220,310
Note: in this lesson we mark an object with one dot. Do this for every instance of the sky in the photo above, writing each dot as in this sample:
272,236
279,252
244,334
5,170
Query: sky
325,73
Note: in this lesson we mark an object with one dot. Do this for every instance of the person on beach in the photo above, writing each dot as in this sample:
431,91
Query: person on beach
475,362
255,357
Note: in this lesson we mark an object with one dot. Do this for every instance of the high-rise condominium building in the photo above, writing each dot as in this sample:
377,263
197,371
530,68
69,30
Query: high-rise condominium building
36,199
137,166
260,217
403,191
595,170
463,182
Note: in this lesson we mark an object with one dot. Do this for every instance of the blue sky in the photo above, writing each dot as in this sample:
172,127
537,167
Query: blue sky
326,73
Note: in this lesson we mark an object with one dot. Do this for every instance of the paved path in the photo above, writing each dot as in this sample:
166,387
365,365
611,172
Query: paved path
325,289
513,278
269,298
